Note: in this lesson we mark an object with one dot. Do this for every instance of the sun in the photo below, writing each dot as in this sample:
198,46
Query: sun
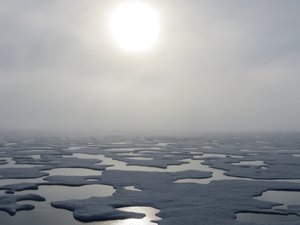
135,26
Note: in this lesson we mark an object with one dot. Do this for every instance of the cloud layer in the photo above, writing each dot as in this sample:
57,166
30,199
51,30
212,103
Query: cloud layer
219,66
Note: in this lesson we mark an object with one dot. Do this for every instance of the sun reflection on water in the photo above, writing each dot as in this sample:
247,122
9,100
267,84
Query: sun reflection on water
150,215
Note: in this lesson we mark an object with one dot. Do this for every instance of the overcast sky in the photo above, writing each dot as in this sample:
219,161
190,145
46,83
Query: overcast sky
218,66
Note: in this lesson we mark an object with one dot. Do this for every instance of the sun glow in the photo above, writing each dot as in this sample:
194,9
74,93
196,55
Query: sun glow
135,26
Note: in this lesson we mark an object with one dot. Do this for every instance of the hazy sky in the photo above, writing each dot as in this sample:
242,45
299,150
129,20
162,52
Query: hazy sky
218,66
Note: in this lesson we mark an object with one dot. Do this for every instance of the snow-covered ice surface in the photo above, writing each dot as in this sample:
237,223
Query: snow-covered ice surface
208,180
